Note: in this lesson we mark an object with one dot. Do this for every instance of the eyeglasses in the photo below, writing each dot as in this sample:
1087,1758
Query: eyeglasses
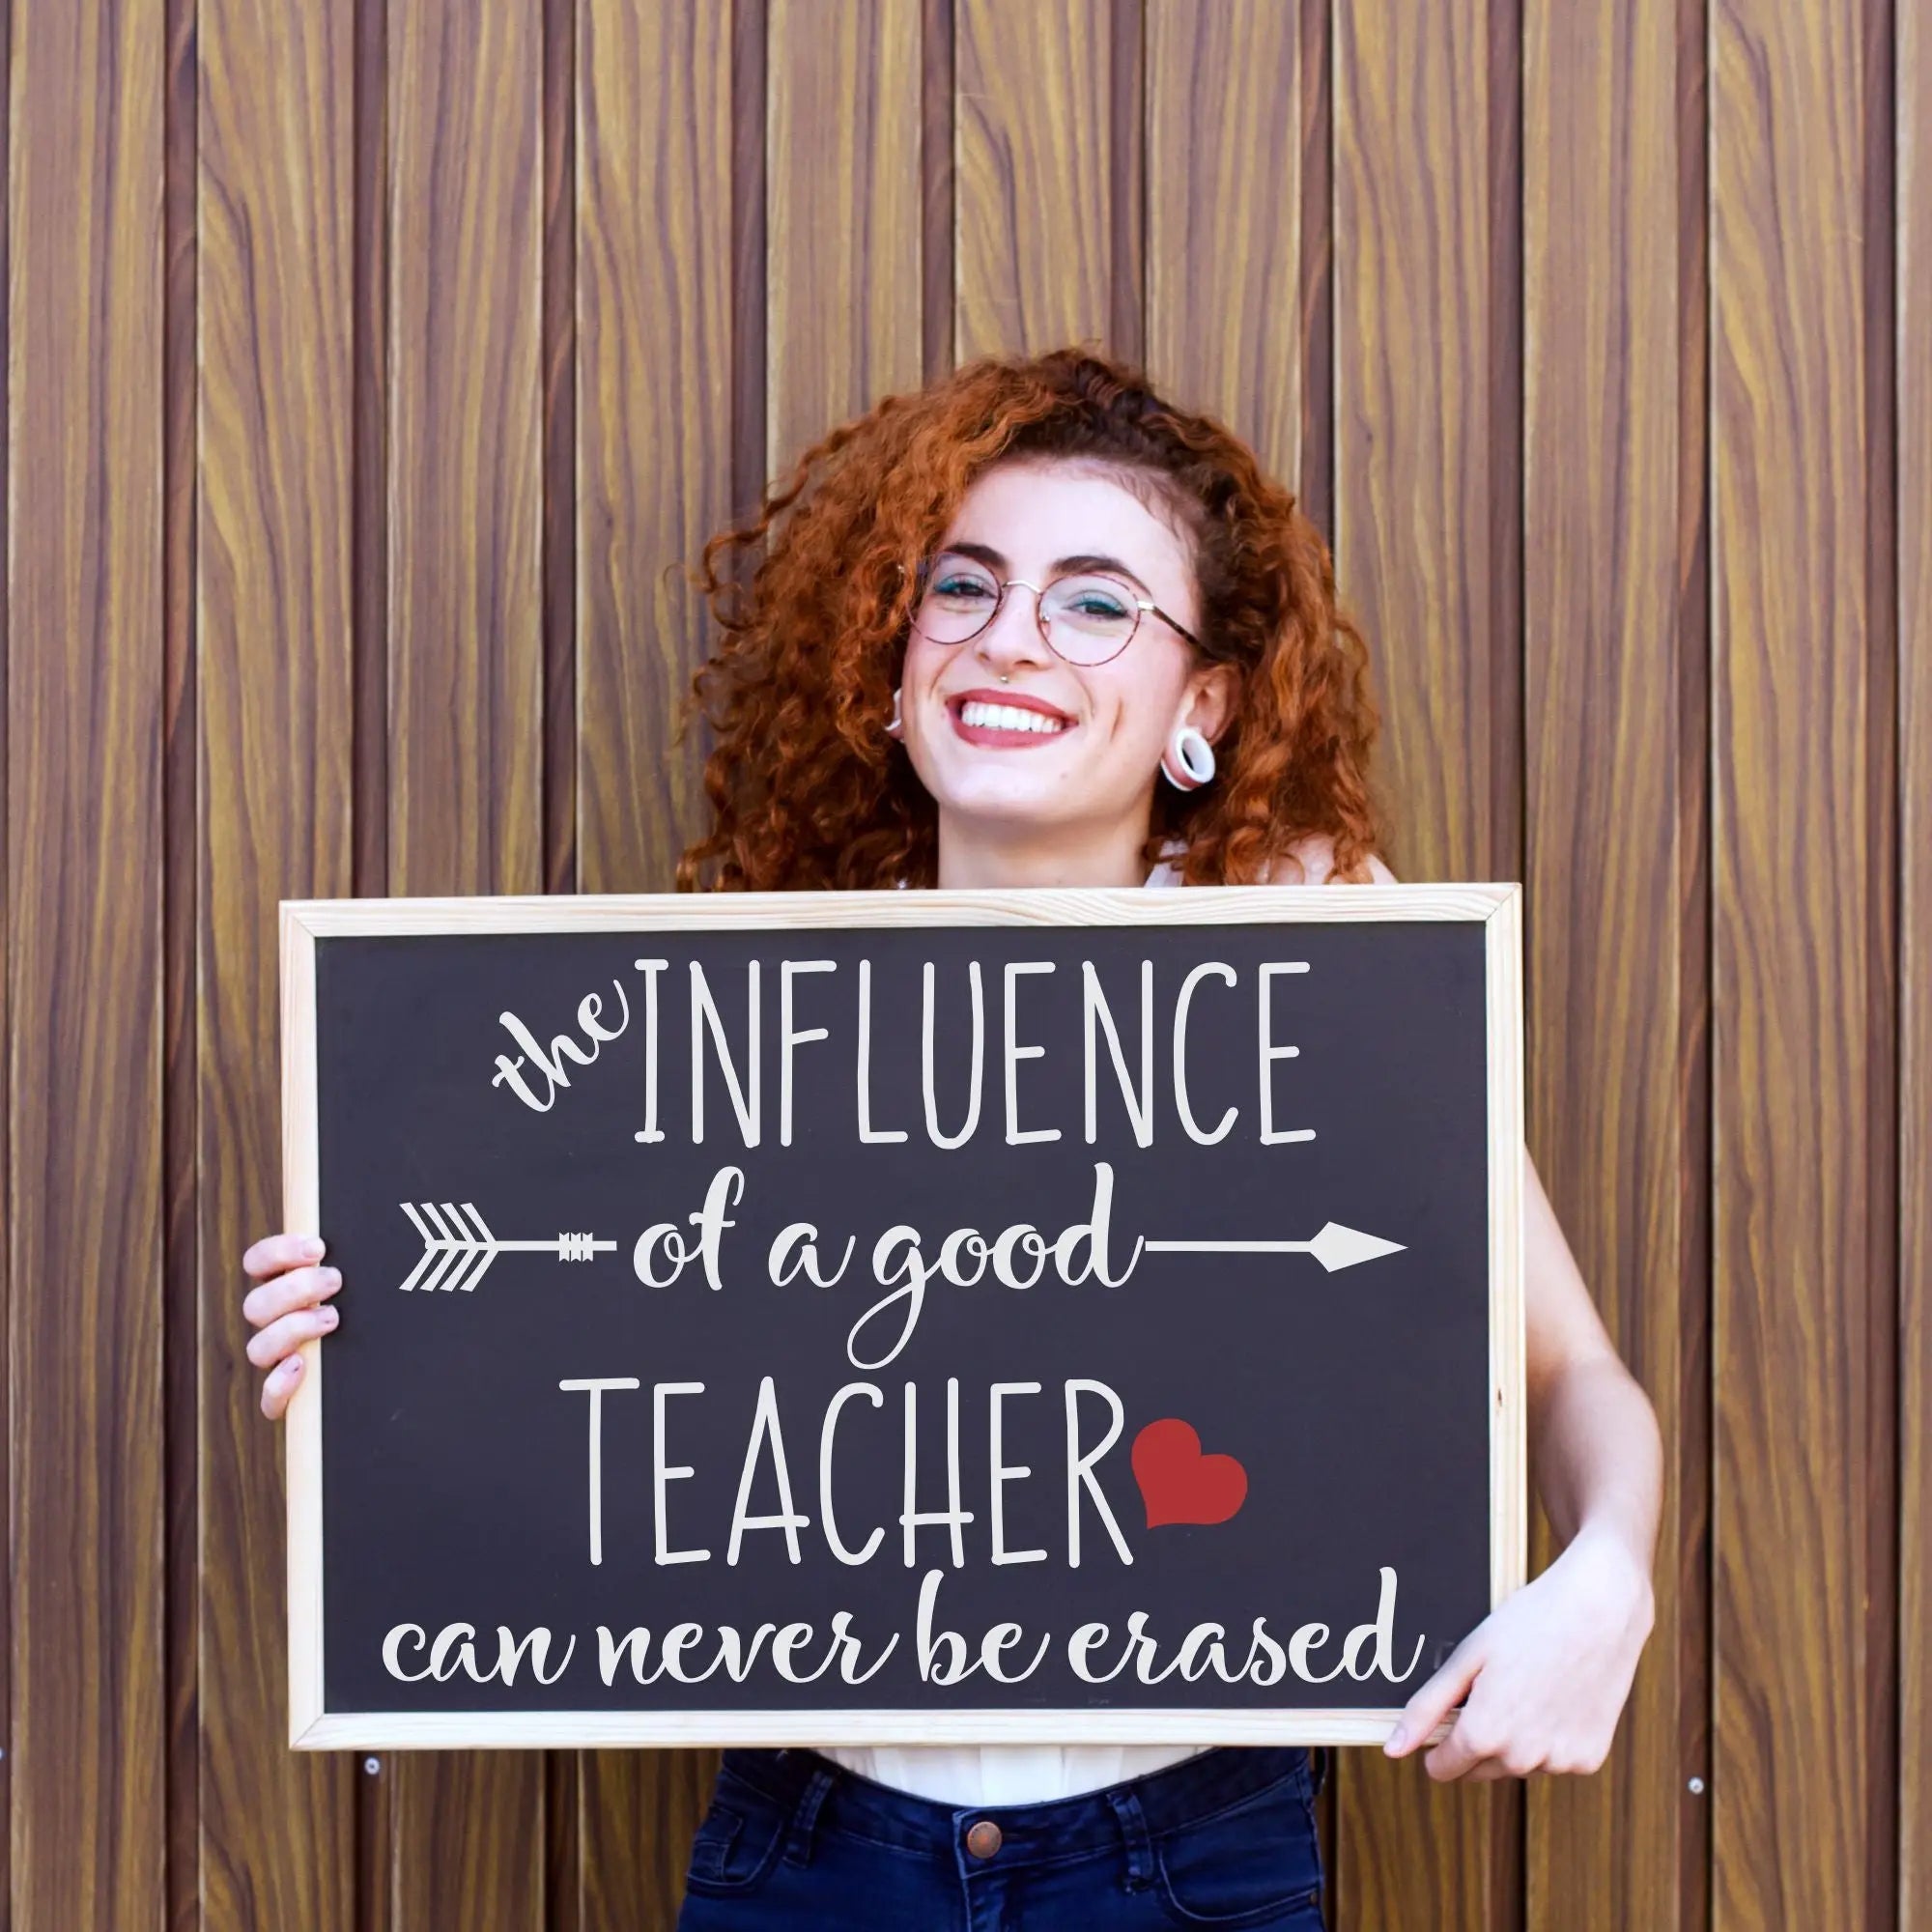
1087,616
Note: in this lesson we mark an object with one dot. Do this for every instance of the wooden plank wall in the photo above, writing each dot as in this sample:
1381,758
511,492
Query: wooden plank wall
369,362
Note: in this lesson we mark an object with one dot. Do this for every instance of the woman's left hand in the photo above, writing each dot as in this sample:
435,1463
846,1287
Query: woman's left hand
1545,1675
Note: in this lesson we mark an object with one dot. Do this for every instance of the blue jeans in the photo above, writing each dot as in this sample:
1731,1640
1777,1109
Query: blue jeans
1222,1840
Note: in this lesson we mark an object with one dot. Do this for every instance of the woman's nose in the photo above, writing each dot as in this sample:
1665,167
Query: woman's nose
1013,638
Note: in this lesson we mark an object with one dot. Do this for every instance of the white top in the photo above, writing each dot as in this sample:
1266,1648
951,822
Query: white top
975,1774
1011,1774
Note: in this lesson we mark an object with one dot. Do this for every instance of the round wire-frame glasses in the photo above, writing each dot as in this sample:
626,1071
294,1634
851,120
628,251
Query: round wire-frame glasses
1086,616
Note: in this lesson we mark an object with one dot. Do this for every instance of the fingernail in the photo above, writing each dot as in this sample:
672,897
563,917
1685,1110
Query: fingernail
328,1318
294,1367
331,1280
311,1248
1397,1738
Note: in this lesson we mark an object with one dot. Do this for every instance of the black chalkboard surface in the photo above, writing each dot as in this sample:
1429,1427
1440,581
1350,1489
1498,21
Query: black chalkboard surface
911,1316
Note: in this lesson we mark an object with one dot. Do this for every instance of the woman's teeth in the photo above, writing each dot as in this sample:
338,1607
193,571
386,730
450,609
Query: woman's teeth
1007,717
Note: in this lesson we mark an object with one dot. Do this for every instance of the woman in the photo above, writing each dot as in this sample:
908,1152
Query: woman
1034,626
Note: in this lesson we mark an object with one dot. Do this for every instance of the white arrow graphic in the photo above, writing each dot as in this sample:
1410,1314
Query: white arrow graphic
465,1244
1334,1247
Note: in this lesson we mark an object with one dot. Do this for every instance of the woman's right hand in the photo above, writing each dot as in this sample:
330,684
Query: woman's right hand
287,1305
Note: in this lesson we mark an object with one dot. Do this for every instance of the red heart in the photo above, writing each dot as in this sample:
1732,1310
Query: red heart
1179,1484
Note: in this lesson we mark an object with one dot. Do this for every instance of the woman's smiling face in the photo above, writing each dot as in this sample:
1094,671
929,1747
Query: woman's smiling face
1087,750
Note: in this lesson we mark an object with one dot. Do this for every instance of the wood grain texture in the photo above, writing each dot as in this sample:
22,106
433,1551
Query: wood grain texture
1801,1035
559,415
1313,473
369,482
1605,814
466,718
938,199
843,260
465,446
655,358
1427,516
640,1810
1913,134
84,858
655,327
274,682
181,834
1690,1449
370,363
1225,212
1426,486
1048,164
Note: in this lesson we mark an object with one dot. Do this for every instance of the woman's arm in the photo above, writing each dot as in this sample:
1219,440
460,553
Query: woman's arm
1593,1446
1544,1678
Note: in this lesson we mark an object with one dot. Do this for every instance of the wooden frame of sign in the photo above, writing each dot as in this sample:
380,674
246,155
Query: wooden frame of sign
1496,907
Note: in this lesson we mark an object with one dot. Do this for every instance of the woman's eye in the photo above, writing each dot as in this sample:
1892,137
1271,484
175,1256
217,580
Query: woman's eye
1098,604
962,586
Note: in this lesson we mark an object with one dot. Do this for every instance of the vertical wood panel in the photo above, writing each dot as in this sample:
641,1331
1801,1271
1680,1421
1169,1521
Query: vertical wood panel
1914,1111
1313,475
655,333
466,679
656,424
1802,1035
938,199
180,835
559,404
1049,178
1691,1508
1427,507
465,447
273,596
843,260
84,854
1601,668
1424,485
1224,213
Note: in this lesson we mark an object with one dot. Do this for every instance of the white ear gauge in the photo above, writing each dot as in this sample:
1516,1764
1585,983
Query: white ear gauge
1189,761
896,724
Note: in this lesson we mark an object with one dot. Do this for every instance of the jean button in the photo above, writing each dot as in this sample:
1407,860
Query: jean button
983,1839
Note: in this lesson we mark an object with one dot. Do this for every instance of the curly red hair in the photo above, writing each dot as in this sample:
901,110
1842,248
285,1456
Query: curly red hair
808,790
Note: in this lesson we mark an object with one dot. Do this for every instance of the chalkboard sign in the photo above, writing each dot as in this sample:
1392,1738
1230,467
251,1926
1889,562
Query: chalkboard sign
902,1316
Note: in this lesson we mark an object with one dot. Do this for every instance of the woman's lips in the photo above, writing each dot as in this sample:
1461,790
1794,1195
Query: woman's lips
1003,721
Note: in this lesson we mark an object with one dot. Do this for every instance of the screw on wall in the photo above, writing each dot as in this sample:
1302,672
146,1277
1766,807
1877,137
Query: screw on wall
1695,1787
372,1765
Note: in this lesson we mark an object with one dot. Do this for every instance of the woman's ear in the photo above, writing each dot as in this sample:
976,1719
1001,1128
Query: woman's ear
1212,691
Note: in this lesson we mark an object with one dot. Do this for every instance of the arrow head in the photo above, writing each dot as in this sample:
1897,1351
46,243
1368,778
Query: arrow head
1339,1247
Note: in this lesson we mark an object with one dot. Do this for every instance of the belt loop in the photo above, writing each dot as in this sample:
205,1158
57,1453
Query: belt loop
1321,1754
805,1816
1135,1834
